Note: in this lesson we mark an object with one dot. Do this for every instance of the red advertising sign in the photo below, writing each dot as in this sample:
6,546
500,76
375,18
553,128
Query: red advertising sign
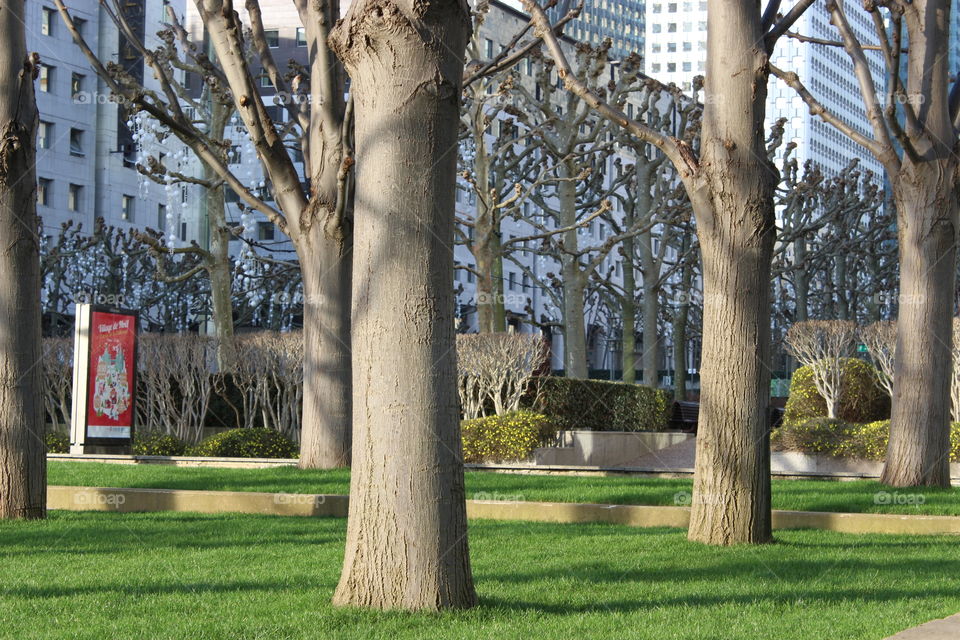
104,380
111,383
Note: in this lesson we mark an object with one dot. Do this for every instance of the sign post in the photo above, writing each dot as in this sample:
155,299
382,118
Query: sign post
104,380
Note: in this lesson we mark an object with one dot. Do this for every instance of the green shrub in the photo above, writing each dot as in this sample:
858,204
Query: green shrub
247,443
57,442
862,399
510,436
157,443
599,405
866,441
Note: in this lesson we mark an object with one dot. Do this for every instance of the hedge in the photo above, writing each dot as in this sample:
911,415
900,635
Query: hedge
600,405
866,441
862,399
509,436
247,443
157,443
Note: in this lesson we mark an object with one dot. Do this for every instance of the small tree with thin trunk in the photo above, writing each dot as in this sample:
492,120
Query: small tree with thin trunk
23,481
495,370
955,375
823,345
880,339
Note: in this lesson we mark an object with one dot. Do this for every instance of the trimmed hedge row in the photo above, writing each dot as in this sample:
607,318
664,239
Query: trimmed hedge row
600,405
507,437
866,441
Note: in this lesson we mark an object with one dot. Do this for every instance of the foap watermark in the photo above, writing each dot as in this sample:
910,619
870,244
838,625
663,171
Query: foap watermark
885,299
496,496
500,298
299,498
899,499
686,498
106,299
86,498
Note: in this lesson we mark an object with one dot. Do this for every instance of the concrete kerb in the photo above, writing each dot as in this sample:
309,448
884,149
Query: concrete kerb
289,504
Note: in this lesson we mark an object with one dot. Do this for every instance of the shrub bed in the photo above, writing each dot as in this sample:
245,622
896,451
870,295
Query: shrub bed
862,399
57,442
156,443
510,436
599,405
865,441
247,443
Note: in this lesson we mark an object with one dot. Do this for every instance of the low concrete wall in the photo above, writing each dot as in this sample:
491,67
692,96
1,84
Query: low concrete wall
288,504
177,461
606,448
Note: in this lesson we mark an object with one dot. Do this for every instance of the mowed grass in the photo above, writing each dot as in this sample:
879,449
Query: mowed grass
861,496
180,575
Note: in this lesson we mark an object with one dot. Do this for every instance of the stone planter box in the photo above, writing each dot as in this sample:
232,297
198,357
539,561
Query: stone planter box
606,448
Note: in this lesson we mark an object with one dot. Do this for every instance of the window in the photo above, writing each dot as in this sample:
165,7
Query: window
46,78
161,217
183,232
234,156
301,37
47,19
77,81
75,197
265,81
273,38
671,47
44,135
76,142
44,191
265,231
80,24
687,66
126,208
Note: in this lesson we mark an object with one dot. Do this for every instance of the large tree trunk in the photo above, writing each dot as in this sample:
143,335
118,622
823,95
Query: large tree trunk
735,220
23,482
218,267
407,530
919,449
325,434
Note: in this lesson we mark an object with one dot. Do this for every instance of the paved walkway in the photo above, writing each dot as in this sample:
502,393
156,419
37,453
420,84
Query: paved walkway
946,629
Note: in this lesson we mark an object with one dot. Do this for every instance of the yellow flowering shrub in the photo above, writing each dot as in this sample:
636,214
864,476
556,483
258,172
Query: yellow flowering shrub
865,441
510,436
862,399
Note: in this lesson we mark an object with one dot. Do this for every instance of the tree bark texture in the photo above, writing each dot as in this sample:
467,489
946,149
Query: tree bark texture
407,532
23,483
735,220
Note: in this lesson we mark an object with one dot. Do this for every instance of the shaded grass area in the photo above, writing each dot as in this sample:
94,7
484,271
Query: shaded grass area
861,496
180,575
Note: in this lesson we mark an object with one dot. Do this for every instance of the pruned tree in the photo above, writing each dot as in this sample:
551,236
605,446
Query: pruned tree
823,346
730,181
880,339
317,221
955,374
406,530
23,474
495,370
914,126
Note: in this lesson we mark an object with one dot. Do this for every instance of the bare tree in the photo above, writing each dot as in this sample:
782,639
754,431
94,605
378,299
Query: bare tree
823,346
880,339
23,478
731,184
495,370
955,374
407,531
913,134
318,222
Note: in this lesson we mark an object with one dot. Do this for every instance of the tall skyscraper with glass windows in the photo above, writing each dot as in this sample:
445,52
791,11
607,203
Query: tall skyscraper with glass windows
620,20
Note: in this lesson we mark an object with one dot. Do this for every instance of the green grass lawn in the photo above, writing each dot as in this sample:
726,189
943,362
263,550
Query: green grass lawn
804,495
180,575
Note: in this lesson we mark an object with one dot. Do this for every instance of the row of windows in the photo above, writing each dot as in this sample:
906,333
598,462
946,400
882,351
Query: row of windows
273,37
672,7
46,139
49,20
46,81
